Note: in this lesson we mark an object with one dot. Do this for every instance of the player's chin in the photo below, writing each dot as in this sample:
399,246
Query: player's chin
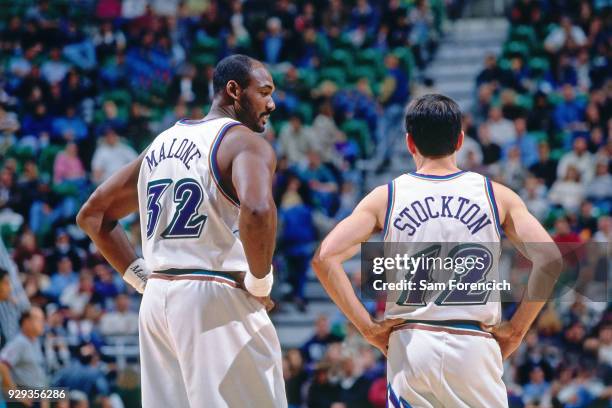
261,125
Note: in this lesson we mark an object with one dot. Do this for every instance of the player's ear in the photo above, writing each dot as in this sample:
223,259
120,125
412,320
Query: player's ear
460,141
410,143
233,89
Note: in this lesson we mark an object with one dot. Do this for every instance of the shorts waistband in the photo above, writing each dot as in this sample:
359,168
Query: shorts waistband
462,327
196,274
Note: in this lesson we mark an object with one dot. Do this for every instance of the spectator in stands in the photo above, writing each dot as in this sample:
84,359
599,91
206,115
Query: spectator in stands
545,168
23,355
78,295
60,280
525,142
560,74
314,349
122,321
273,43
491,73
501,129
322,182
566,36
326,133
421,33
537,391
297,235
110,155
295,140
54,70
69,127
580,159
67,166
540,115
295,377
600,188
85,374
569,113
323,393
491,152
569,191
533,194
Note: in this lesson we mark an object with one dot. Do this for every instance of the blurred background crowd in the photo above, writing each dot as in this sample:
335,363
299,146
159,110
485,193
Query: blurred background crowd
85,86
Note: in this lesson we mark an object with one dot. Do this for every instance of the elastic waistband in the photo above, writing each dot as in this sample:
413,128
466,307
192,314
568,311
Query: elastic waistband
196,274
462,327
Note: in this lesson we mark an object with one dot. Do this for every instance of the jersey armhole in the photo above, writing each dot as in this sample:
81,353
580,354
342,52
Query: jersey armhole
390,205
493,205
214,166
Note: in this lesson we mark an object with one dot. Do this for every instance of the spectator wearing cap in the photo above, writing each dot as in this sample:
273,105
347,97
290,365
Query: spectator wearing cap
23,355
110,155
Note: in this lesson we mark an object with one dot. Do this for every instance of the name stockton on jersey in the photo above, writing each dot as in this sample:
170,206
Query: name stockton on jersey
413,216
185,151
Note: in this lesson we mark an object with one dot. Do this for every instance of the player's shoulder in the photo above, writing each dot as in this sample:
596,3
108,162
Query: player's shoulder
241,138
505,198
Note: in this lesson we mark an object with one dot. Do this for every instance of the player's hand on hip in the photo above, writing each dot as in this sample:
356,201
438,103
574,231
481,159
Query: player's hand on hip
378,332
507,337
264,300
137,275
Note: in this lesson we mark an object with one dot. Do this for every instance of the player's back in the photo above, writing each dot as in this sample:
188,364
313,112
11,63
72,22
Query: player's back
444,218
187,220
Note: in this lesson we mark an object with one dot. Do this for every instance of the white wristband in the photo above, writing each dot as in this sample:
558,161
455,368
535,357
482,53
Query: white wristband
137,274
259,287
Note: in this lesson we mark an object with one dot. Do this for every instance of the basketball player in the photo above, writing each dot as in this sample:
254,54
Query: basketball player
208,227
440,354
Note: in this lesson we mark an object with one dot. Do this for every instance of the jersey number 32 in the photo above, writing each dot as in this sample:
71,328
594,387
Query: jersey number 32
187,195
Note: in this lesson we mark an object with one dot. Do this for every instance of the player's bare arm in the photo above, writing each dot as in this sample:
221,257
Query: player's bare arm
341,244
114,199
247,163
522,228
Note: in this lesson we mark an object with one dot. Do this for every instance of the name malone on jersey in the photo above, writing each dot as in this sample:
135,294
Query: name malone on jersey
185,151
421,211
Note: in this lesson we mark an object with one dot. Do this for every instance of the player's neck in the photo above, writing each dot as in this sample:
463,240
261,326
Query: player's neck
221,111
436,166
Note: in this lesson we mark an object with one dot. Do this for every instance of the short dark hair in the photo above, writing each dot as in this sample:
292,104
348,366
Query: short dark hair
24,316
235,67
434,121
3,273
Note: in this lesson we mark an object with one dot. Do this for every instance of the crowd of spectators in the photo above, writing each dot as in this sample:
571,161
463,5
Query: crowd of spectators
84,86
542,125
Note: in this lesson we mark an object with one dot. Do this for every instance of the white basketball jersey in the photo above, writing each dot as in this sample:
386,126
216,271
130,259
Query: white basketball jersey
450,217
187,220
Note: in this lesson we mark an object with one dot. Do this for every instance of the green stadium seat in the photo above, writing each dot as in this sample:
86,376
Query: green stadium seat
336,75
358,131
